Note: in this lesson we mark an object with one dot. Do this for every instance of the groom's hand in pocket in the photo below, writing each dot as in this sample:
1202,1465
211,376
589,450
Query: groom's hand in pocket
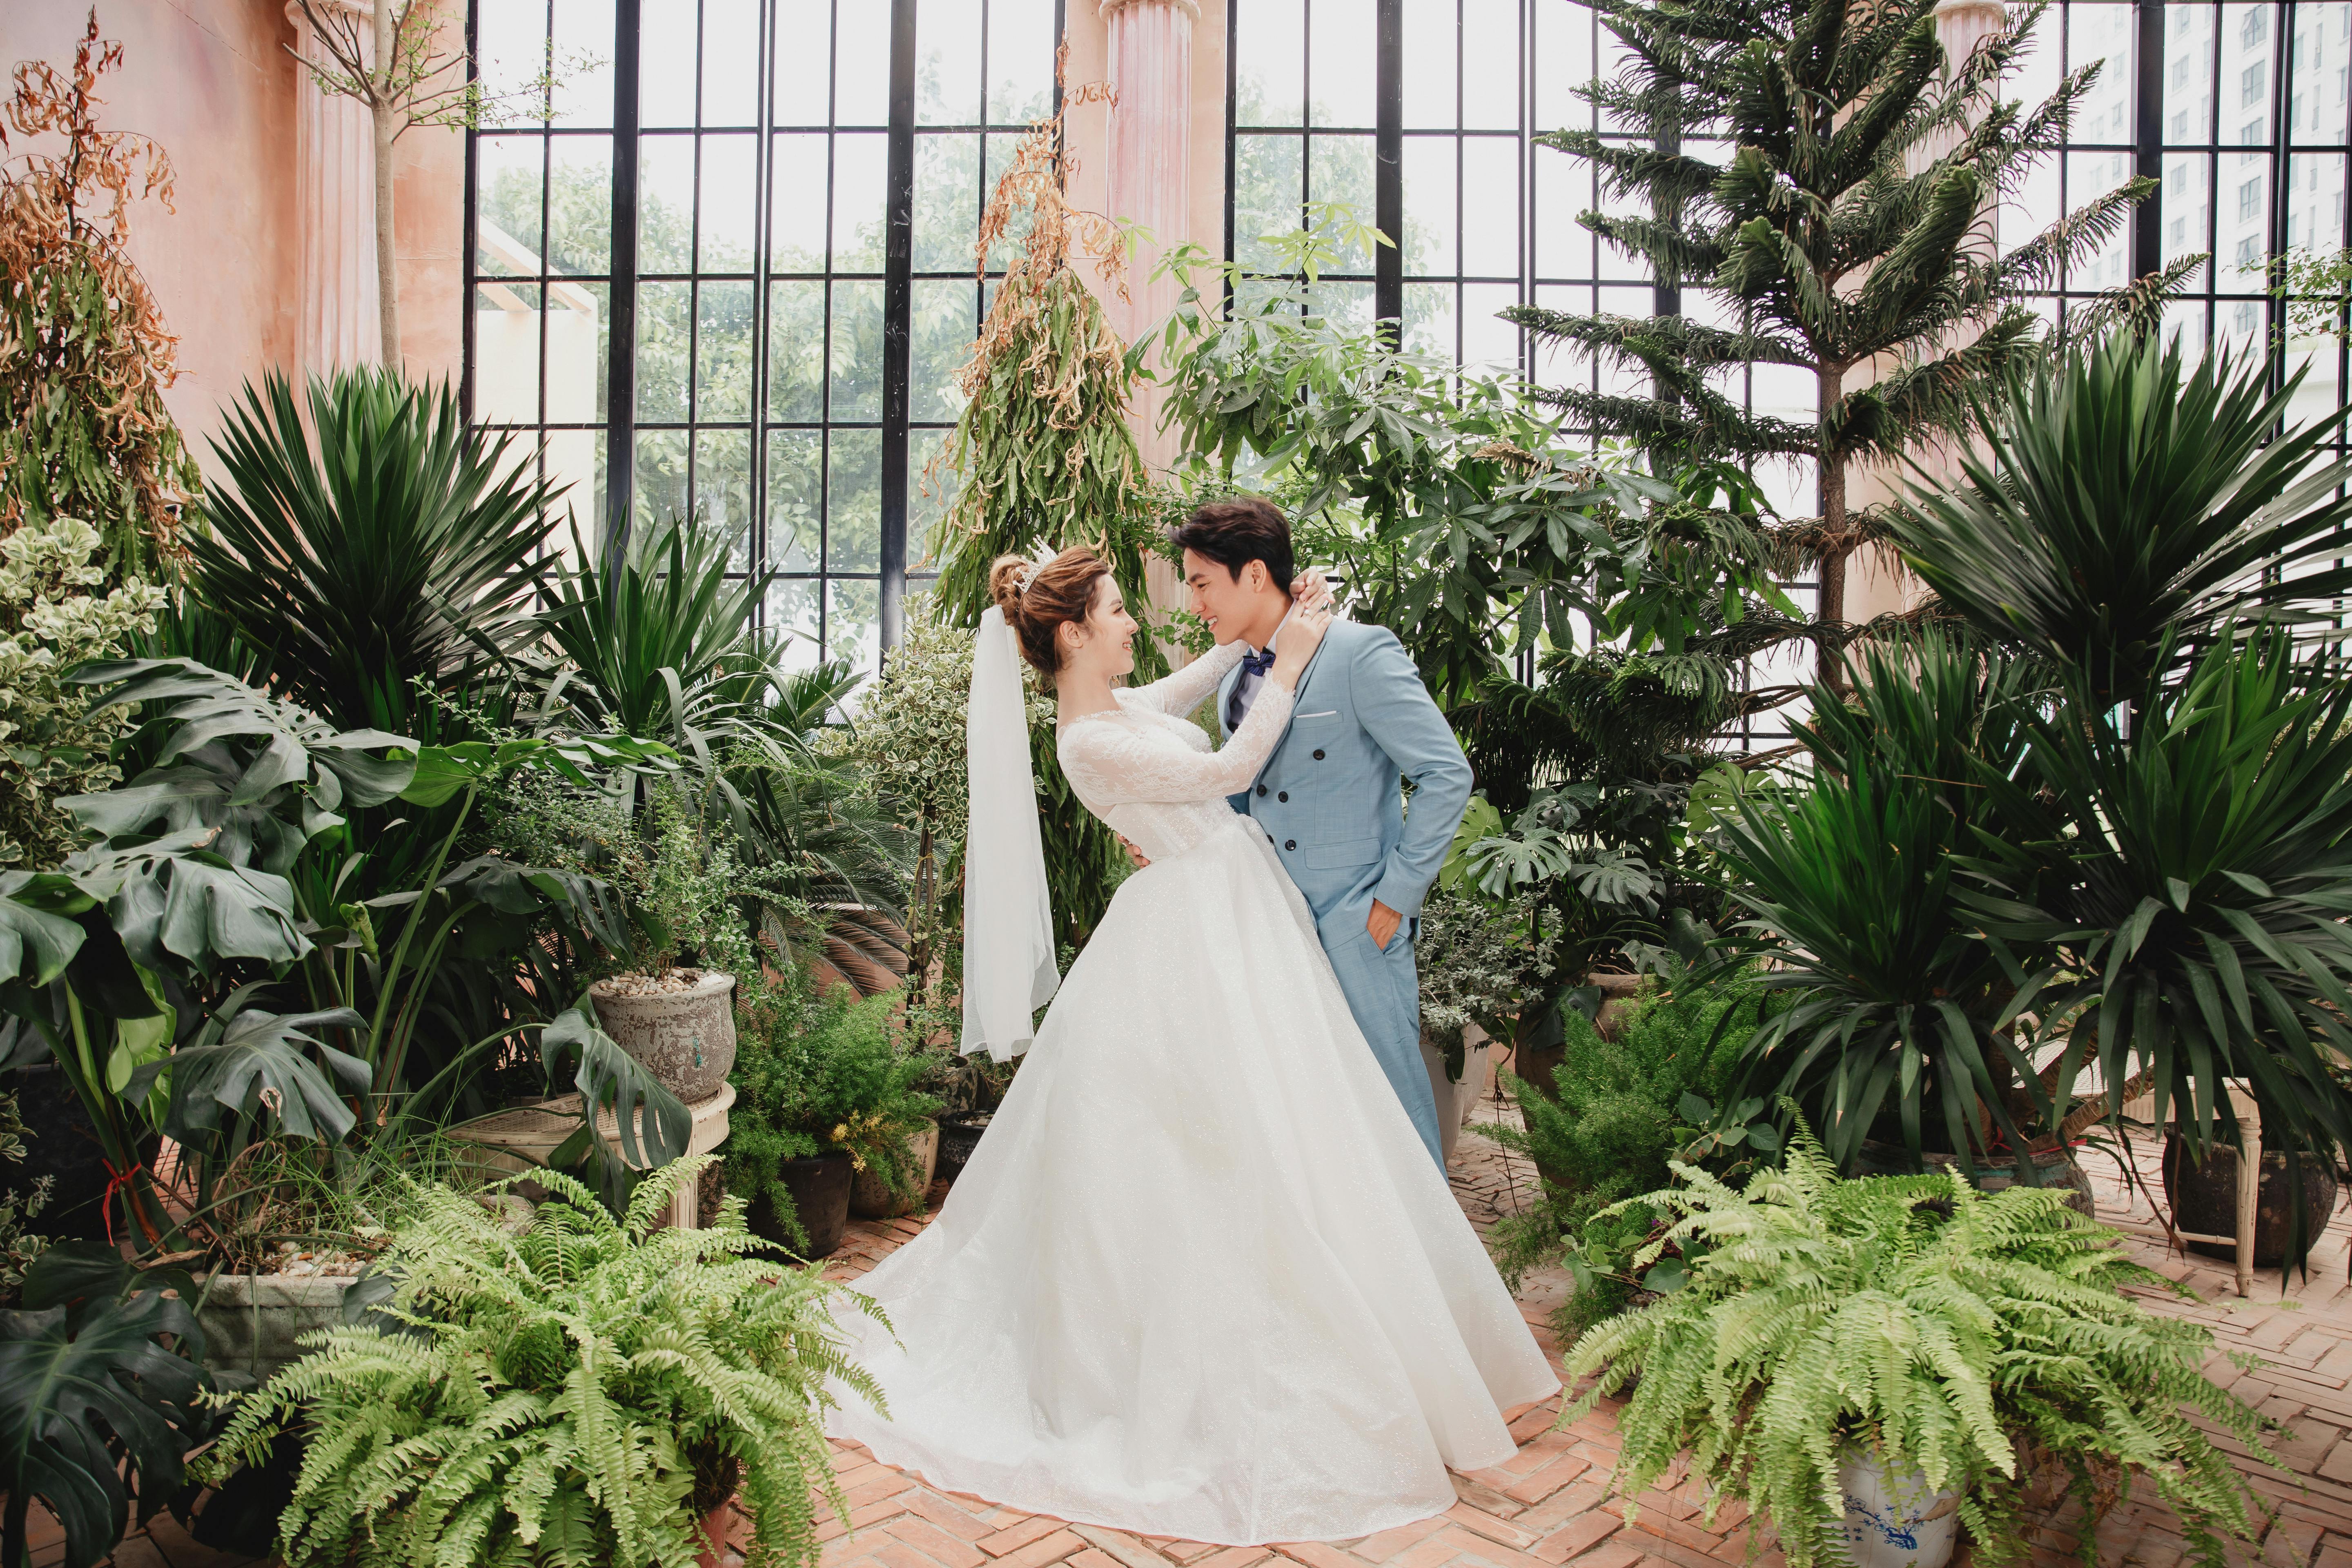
1383,924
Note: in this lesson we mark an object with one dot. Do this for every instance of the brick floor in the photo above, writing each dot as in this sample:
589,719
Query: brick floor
1551,1505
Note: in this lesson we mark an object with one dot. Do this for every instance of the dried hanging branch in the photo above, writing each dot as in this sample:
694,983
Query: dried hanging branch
84,355
1043,454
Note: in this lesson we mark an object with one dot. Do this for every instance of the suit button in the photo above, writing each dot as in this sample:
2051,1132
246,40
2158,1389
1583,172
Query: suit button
1290,844
1261,789
1318,756
1284,796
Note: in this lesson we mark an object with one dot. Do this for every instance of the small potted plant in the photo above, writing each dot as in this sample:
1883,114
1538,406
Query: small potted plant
590,1390
1924,1351
679,1018
1479,960
826,1093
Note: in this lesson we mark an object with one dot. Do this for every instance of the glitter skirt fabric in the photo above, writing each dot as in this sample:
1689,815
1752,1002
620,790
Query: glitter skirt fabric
1201,1277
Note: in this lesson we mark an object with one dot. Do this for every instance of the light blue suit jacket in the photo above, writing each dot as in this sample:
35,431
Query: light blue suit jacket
1328,795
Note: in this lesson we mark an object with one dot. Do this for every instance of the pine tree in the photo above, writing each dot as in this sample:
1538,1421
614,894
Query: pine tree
1846,225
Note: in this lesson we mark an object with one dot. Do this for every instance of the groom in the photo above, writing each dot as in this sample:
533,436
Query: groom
1328,796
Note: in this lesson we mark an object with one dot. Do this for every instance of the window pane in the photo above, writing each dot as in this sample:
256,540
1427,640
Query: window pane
664,348
2323,45
860,184
506,353
795,498
857,350
852,623
510,47
1490,59
946,200
730,186
1431,32
1342,173
666,63
1265,194
1429,206
1270,63
1020,60
731,62
1490,207
796,203
506,184
853,522
796,352
575,466
722,488
579,327
947,62
1340,36
946,320
1430,326
665,203
804,83
792,609
2249,42
661,477
722,353
861,64
579,205
584,63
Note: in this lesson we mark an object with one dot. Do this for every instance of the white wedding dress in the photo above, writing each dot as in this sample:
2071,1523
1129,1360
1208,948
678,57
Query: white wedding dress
1201,1277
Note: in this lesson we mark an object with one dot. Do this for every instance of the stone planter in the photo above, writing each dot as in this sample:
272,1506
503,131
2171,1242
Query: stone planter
518,1140
686,1039
870,1196
2205,1197
1893,1519
1455,1099
960,1133
253,1322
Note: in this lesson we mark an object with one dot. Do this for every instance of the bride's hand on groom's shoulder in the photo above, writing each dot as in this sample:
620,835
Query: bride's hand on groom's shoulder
1296,643
1311,590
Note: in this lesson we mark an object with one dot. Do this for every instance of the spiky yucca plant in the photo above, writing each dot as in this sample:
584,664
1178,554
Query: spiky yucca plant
575,1394
1942,1327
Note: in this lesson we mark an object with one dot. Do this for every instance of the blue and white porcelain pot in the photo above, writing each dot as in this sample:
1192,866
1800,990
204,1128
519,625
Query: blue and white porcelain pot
1894,1518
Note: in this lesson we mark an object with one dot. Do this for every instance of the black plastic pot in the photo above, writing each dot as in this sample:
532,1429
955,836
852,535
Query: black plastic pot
819,1187
960,1133
60,1143
2052,1168
2205,1197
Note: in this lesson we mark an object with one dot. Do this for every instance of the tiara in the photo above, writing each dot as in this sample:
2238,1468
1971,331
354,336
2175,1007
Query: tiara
1043,559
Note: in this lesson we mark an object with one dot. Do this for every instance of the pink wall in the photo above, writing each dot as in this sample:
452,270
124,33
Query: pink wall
211,81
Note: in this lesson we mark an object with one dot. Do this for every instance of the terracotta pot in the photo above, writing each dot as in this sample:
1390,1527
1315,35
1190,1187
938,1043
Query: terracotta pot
960,1133
870,1196
2205,1197
686,1039
714,1479
819,1187
713,1531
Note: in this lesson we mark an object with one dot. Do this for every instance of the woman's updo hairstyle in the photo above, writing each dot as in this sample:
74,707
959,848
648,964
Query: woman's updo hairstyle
1063,590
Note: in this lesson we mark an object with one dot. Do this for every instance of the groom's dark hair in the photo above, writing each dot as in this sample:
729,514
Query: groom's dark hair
1234,532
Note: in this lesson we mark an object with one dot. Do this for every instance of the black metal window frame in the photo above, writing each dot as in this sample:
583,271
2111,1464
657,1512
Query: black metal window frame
904,431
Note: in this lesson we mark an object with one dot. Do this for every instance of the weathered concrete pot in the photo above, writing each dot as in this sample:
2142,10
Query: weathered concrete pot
870,1196
253,1322
2053,1168
686,1039
2205,1197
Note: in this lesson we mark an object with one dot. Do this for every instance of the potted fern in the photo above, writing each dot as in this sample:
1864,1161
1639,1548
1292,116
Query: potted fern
589,1390
1911,1337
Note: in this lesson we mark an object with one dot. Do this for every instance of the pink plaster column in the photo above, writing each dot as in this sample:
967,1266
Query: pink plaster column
334,211
1149,169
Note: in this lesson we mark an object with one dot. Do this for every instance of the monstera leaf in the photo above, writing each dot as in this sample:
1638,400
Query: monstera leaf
75,1403
444,771
36,939
511,887
609,1078
178,906
265,775
247,1063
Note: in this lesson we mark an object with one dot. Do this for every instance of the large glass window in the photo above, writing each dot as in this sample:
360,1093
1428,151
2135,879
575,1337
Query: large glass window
793,371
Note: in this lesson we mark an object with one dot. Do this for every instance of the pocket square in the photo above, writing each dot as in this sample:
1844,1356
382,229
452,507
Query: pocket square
1327,713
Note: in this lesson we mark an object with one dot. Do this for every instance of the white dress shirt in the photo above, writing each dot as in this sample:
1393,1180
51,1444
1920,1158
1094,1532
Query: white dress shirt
1246,690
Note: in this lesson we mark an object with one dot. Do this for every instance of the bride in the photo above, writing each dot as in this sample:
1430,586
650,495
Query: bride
1201,1279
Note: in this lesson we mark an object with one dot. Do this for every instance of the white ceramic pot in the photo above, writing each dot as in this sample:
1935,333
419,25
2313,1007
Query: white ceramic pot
1455,1099
1893,1519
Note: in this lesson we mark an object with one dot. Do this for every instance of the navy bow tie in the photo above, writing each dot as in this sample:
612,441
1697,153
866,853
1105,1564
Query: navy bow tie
1257,663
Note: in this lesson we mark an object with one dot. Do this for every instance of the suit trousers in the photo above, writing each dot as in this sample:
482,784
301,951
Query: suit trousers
1383,990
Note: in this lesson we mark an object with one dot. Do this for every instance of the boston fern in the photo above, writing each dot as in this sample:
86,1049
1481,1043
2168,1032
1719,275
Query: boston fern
1953,1330
579,1393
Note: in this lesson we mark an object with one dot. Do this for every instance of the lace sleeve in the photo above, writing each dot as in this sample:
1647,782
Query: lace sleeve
1181,692
1110,765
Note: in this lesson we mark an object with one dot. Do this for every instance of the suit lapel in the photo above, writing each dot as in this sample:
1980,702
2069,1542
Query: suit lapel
1224,699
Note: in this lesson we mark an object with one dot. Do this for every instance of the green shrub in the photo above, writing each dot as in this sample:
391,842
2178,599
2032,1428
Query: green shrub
819,1073
1620,1110
1973,1335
